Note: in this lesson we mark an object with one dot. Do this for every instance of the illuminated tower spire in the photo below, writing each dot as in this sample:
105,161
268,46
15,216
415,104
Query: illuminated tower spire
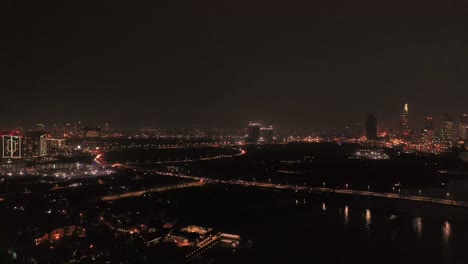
404,127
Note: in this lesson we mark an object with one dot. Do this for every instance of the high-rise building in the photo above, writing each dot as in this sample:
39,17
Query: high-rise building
266,134
34,144
78,129
11,147
357,130
447,128
404,121
55,143
463,134
68,129
254,132
381,131
92,132
40,127
371,127
428,131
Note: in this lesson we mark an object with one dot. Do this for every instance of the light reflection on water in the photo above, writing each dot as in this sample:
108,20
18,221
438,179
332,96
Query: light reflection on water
446,232
368,219
418,226
397,225
346,215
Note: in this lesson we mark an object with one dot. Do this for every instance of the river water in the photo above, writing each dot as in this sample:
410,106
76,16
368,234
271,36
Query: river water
311,228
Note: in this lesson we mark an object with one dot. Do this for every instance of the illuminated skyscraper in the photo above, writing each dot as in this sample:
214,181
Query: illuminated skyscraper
254,132
40,127
463,134
11,146
404,121
34,144
371,127
428,131
447,128
266,134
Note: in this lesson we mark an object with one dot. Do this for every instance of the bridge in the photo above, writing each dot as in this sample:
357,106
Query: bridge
308,188
222,156
201,180
151,190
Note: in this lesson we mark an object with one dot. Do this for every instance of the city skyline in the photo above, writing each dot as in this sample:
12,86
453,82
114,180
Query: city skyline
406,124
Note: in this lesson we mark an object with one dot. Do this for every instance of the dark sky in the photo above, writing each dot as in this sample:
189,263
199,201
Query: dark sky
311,64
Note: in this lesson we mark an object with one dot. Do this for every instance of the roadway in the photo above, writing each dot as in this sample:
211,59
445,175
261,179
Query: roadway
298,188
309,189
152,190
242,152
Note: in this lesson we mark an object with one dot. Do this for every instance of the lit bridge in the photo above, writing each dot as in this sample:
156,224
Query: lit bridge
309,189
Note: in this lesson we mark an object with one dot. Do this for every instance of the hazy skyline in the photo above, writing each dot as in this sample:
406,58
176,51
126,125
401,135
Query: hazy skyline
312,65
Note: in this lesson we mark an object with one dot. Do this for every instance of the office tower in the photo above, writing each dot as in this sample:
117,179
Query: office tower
381,131
68,129
106,130
92,132
78,129
371,127
34,144
11,147
392,134
404,121
463,134
357,130
447,128
55,143
254,132
40,127
346,132
428,130
266,134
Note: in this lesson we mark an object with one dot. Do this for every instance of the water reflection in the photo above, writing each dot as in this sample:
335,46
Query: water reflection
417,226
368,219
346,215
324,207
446,232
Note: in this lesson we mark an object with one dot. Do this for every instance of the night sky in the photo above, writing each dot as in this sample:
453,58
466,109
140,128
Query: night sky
310,64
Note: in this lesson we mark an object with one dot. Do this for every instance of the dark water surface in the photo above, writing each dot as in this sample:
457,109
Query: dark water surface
308,228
